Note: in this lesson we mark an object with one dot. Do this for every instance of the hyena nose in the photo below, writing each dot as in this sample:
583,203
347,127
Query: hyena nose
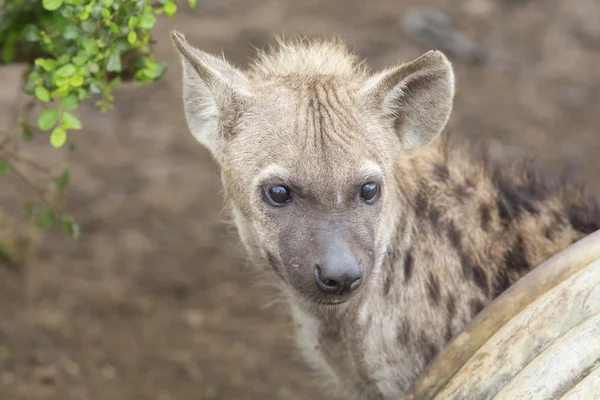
335,278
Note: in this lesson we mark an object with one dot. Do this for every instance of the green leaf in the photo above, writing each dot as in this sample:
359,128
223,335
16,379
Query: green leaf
108,3
47,118
132,22
28,210
82,93
8,53
61,82
147,21
3,167
90,46
193,3
62,182
114,62
63,59
170,8
58,137
70,227
7,251
72,121
65,71
42,93
31,33
80,59
52,5
76,80
113,27
88,26
93,68
69,103
48,64
84,15
27,133
70,32
131,37
45,218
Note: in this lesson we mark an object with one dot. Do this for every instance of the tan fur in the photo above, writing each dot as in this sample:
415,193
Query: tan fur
450,231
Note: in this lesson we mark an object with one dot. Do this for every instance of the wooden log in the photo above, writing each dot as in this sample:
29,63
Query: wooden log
538,340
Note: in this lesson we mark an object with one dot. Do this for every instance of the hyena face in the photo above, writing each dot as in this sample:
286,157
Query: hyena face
307,143
309,178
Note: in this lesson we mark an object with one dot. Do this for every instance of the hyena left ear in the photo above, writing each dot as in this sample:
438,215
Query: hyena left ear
414,98
214,93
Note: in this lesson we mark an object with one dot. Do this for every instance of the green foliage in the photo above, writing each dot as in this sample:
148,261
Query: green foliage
77,50
85,47
3,167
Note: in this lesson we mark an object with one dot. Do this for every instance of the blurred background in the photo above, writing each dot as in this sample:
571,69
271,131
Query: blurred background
155,300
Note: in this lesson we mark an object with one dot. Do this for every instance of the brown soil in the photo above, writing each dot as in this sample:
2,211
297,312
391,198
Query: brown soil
155,300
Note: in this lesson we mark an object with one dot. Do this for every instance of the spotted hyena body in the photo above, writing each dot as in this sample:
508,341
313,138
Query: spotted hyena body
385,237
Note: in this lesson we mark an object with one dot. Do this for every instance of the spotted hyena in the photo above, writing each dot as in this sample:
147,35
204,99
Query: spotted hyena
384,236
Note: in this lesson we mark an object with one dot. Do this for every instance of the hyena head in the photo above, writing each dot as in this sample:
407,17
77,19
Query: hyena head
307,142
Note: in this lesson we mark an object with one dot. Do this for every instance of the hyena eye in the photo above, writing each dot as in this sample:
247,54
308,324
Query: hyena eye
278,195
369,192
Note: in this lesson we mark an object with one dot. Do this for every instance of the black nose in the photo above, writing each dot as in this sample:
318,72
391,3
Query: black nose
334,278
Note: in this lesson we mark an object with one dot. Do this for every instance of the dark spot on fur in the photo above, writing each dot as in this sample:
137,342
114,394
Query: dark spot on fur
449,334
433,287
505,211
332,333
466,264
421,205
404,332
408,265
391,258
582,219
476,306
515,257
486,216
441,172
461,192
514,200
451,306
434,217
427,347
454,235
387,284
500,283
480,279
559,219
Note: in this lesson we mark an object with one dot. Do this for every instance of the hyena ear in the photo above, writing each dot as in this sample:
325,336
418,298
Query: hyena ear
214,93
414,98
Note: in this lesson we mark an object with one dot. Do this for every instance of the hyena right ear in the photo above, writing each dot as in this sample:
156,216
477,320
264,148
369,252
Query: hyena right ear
213,94
415,98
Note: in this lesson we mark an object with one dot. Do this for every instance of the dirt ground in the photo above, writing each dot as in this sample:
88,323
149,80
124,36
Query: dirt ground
155,300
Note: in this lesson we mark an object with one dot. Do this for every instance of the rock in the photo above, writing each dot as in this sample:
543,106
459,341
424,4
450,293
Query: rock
434,28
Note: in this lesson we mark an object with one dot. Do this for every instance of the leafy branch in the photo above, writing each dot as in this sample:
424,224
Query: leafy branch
75,50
